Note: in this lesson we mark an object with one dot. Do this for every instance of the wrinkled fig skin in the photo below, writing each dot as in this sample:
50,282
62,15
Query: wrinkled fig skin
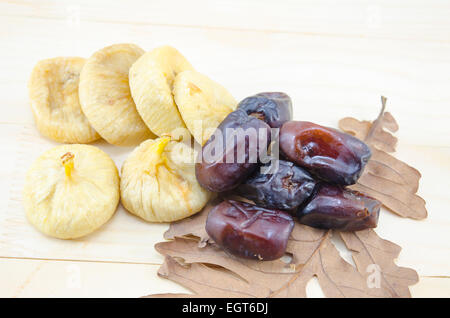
329,154
285,189
219,176
249,231
334,207
274,108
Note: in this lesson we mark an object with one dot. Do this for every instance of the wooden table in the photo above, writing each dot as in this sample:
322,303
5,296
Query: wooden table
334,60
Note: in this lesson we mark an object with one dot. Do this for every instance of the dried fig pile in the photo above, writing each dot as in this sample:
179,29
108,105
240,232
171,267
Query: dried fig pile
127,97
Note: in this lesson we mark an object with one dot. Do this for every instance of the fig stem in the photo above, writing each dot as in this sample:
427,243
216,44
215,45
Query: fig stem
157,150
67,161
159,146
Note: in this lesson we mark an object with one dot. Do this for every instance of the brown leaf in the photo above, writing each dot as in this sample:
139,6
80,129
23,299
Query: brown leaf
194,261
209,282
254,280
336,277
313,254
386,178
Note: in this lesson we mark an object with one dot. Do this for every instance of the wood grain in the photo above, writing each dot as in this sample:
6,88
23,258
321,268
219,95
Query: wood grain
334,59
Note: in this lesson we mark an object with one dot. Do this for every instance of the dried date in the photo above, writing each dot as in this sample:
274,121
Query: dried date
285,189
232,153
331,155
249,231
334,207
274,108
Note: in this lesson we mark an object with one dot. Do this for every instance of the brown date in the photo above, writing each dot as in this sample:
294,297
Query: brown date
329,154
274,108
334,207
249,231
232,153
285,189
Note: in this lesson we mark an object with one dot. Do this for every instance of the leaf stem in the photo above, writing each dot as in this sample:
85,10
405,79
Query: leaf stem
377,121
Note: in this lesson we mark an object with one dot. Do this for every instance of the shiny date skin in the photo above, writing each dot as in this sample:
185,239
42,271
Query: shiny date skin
329,154
285,189
334,207
237,156
249,231
274,108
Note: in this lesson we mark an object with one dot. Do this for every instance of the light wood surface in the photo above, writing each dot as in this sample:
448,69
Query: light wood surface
333,58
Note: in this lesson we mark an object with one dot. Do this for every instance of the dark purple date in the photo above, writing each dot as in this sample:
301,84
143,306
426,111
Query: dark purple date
334,207
329,154
232,153
284,189
274,108
249,231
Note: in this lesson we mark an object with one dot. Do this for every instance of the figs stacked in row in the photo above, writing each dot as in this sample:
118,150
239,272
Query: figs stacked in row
128,97
125,96
308,182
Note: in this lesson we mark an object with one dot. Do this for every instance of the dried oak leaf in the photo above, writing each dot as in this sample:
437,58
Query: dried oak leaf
194,261
386,178
208,271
